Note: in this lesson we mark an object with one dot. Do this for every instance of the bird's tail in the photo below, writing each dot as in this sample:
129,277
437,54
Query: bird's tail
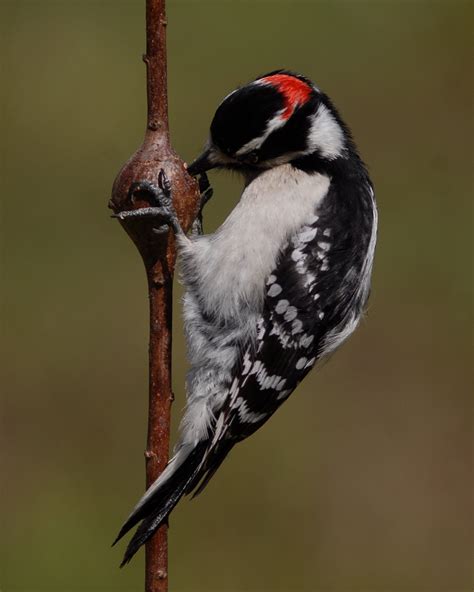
154,507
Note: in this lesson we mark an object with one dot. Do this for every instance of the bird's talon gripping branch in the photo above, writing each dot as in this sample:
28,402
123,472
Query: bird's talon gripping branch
163,229
151,192
165,186
161,200
166,202
150,212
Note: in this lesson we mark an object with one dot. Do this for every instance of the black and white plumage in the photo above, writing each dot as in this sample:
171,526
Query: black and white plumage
280,285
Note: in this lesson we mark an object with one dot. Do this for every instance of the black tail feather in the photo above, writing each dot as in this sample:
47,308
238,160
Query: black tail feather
156,510
216,458
195,471
151,524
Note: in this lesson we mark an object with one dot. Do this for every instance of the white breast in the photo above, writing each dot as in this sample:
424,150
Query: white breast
234,262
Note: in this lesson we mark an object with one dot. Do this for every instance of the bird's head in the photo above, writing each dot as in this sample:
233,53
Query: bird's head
276,119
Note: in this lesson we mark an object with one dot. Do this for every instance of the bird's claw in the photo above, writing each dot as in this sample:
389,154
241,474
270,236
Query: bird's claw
161,203
150,212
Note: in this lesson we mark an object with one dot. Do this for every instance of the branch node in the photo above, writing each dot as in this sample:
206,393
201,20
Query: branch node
154,125
161,574
157,280
149,454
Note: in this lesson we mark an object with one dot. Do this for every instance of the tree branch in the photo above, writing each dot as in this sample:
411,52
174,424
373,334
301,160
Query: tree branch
158,254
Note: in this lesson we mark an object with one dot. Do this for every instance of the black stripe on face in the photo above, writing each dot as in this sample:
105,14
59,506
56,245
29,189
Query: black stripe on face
292,137
243,116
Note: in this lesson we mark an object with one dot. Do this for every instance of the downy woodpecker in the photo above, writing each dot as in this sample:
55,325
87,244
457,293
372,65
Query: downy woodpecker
280,285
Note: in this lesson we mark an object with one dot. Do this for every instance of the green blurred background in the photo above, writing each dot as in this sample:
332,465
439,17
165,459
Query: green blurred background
362,481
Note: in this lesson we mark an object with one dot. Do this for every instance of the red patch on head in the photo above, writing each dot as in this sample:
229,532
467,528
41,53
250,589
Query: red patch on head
294,91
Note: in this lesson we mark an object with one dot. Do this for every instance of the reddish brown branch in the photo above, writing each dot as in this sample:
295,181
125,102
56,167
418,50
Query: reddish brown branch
158,254
155,60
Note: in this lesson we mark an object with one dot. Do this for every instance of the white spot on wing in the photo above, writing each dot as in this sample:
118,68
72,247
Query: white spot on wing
283,394
297,254
280,385
306,340
274,290
297,327
301,363
291,313
283,337
245,414
281,307
247,364
307,235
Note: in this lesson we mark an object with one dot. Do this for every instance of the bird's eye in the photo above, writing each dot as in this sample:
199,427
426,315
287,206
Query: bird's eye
252,157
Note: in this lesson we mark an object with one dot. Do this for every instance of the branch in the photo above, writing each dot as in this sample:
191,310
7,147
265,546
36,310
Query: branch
158,254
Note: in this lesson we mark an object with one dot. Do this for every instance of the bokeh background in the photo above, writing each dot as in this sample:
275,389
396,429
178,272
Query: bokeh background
362,481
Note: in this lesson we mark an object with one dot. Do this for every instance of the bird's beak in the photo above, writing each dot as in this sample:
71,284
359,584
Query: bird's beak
203,163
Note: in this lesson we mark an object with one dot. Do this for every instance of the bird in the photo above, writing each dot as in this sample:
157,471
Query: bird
277,288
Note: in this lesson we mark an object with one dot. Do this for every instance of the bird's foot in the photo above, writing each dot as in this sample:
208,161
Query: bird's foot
161,202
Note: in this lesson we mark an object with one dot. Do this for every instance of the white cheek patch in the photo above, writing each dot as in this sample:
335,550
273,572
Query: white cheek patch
325,134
